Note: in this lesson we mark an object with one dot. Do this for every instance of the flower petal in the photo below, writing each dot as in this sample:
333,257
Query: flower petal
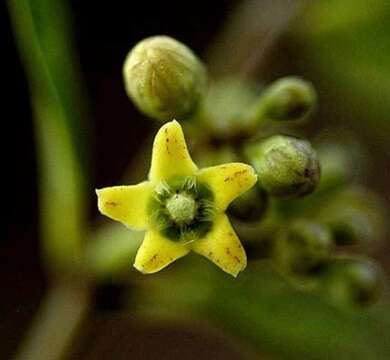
222,246
126,204
170,155
228,181
156,252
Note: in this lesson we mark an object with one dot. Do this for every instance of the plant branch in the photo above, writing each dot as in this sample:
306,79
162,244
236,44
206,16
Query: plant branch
243,44
56,323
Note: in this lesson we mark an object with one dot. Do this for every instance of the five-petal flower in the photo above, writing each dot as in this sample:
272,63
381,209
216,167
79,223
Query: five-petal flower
182,208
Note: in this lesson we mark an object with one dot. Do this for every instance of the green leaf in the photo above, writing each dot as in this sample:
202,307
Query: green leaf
44,39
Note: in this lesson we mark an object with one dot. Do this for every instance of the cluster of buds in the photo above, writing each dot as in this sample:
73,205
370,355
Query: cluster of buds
302,216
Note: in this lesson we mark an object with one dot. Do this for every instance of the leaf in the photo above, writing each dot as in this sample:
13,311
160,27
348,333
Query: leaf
42,33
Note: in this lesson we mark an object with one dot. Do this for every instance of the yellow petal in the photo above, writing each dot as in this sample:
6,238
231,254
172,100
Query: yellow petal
228,181
222,246
156,252
170,155
126,204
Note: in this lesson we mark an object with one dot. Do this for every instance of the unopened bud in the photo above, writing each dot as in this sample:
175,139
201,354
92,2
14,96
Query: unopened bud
302,248
227,104
350,226
337,167
289,98
164,78
286,166
356,216
250,206
353,281
211,156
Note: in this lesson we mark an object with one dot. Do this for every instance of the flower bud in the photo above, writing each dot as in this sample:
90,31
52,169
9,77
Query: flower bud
302,248
164,78
211,156
289,98
353,281
226,105
250,206
286,166
350,226
355,216
336,166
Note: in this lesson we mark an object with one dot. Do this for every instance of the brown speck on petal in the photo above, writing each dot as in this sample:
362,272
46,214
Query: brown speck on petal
111,203
237,173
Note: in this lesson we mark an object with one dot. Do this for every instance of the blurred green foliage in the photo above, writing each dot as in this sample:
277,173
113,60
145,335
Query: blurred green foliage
346,49
43,34
265,312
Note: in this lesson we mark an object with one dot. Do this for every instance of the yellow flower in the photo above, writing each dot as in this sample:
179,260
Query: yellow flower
182,208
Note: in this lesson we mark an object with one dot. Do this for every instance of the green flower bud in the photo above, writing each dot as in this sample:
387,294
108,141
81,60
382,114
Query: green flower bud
302,248
286,166
164,78
336,166
353,281
349,226
211,156
355,216
250,206
226,107
289,98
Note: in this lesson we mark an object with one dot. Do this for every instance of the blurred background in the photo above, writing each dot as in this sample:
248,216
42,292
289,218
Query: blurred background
343,47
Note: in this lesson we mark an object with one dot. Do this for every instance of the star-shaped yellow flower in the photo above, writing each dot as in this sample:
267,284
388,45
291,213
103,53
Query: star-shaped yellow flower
182,208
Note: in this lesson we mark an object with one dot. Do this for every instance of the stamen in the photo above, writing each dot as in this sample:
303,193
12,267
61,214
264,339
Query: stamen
181,208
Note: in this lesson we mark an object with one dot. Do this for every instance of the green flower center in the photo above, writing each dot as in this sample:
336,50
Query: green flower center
182,209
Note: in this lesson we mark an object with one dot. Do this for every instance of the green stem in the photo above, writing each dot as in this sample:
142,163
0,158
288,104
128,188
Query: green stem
253,27
56,323
43,37
44,40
